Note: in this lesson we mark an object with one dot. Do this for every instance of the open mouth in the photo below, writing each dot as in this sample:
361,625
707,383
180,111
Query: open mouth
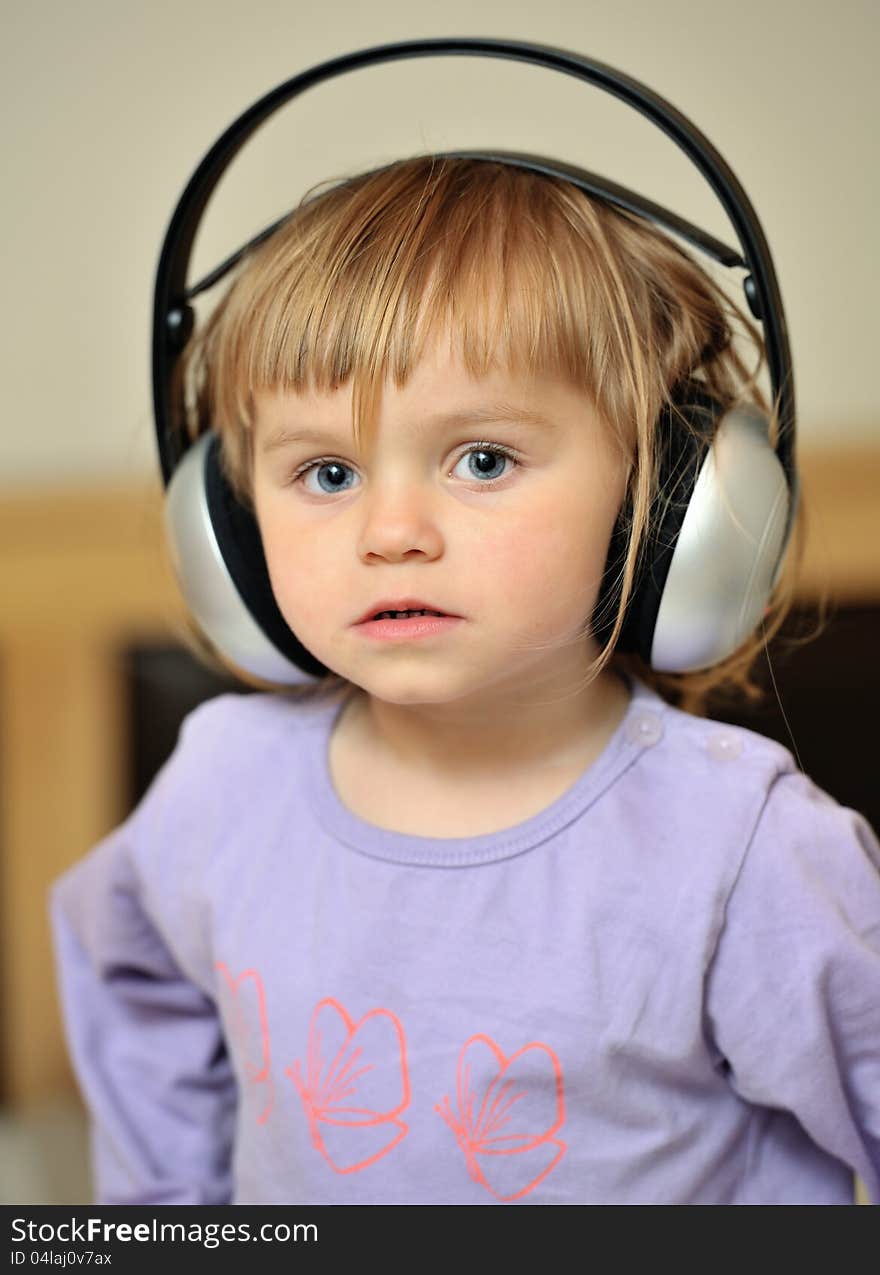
403,615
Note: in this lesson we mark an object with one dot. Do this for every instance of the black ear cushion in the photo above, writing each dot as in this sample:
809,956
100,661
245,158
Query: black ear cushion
679,461
238,537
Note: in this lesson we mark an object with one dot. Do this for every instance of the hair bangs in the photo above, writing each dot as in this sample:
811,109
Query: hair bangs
356,283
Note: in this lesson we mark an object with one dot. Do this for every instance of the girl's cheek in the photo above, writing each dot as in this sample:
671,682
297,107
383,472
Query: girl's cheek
542,541
509,550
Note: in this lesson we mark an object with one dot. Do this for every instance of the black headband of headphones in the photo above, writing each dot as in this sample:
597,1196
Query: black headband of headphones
173,315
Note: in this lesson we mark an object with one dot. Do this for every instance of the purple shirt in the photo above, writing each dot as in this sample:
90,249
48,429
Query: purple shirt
663,988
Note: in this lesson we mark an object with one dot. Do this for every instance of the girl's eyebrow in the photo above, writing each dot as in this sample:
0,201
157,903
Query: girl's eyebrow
496,413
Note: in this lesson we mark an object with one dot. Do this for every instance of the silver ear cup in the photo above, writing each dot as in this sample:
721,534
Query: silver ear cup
728,551
205,580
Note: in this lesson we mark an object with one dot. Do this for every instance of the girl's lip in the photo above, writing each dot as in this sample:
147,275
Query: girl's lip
406,604
418,626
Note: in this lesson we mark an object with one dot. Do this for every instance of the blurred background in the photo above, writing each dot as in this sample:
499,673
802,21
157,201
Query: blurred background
109,105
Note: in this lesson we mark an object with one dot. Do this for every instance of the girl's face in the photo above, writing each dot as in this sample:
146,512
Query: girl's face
491,499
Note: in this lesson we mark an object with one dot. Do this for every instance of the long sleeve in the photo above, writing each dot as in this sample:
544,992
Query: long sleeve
793,991
144,1037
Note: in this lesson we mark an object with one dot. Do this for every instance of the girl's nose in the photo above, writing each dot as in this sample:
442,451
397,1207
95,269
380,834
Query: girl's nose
399,518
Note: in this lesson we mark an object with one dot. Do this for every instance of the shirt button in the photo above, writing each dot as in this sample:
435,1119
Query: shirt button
724,747
645,729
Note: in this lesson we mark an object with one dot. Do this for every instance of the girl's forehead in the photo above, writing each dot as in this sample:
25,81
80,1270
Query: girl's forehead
435,407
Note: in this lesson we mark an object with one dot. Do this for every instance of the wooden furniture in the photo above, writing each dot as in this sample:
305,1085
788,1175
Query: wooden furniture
84,577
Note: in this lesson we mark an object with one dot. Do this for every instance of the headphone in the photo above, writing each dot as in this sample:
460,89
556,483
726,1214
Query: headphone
715,551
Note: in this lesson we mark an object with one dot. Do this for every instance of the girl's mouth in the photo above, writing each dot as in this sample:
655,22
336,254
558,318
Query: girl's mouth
403,615
407,625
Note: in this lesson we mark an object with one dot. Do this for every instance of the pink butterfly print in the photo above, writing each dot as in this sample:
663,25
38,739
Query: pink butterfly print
251,1030
356,1084
508,1110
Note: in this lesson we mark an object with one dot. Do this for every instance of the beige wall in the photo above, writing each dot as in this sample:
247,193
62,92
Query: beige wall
110,103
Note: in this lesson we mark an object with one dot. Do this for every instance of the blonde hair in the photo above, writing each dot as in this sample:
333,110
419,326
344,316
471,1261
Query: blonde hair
526,272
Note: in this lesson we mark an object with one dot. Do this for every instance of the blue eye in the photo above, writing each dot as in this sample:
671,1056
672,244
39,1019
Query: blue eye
485,462
335,474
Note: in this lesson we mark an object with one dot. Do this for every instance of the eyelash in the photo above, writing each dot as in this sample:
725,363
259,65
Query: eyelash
493,448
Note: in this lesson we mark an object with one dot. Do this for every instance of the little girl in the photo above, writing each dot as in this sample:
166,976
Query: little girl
485,915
